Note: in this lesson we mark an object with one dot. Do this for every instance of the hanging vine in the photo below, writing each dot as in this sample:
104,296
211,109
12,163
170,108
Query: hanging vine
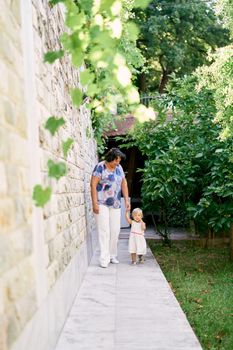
101,42
97,46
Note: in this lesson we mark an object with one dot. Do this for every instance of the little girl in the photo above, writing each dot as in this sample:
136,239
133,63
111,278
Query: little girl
137,242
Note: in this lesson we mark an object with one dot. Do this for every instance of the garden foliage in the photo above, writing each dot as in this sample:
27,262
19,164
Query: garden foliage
188,173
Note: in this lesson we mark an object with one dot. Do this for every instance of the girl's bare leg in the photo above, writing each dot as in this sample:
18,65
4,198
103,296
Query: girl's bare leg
133,257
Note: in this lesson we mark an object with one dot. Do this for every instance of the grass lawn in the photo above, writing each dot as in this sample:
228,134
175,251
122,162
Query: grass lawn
202,280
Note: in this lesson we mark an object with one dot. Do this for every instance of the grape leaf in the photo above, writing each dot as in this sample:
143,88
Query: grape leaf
41,196
56,170
66,146
77,97
53,124
52,56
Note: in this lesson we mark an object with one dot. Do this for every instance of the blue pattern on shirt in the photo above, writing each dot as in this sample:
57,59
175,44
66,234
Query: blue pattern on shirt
109,186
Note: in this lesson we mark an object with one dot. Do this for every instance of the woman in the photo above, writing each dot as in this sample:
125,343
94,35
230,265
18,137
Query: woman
107,183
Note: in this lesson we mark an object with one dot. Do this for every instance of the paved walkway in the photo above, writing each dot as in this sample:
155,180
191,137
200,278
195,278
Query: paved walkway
126,307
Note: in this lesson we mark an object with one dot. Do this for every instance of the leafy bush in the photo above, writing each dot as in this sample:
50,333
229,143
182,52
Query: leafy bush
188,172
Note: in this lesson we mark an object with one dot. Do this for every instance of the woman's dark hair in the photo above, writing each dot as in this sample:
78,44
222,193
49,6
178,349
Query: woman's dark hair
113,154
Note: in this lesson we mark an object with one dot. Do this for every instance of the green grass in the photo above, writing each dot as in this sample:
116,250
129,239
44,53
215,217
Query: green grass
202,280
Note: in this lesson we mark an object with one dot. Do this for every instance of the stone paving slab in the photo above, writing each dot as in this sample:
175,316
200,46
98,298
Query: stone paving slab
126,307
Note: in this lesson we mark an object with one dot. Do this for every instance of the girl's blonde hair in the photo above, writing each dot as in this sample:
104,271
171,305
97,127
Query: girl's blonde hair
137,210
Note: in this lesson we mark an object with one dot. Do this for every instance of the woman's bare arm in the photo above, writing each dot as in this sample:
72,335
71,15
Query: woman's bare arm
94,182
124,188
128,218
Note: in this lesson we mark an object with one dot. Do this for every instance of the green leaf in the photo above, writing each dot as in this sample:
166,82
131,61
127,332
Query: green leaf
133,30
66,146
72,43
92,90
141,3
56,170
52,56
77,97
66,41
191,179
41,196
86,77
199,155
54,2
53,124
106,5
87,5
77,58
75,20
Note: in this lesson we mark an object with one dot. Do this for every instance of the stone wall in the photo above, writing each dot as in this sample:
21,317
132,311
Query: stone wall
43,253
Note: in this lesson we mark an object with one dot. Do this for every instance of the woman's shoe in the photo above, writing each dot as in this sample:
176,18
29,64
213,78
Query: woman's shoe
103,265
114,261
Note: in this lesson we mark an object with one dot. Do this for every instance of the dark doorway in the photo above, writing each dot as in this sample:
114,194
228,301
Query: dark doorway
134,161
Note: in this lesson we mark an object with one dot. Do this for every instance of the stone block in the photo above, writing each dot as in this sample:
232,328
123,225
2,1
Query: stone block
12,179
67,237
14,248
18,179
3,179
21,120
15,88
23,210
5,47
13,325
50,228
5,251
9,112
24,180
7,214
26,307
4,78
21,243
46,254
62,203
56,247
15,8
3,332
4,144
52,274
17,282
2,306
8,23
19,152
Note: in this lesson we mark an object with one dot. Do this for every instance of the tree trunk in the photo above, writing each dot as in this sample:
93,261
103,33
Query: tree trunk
163,81
208,237
142,82
231,242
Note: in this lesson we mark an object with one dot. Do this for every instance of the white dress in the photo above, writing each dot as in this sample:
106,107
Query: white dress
137,242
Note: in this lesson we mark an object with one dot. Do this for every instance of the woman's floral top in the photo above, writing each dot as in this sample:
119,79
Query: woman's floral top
109,186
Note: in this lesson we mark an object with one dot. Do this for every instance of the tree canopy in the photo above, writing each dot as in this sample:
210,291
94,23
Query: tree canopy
175,37
218,76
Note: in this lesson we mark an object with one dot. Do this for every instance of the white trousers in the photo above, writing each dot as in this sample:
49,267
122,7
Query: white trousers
108,224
